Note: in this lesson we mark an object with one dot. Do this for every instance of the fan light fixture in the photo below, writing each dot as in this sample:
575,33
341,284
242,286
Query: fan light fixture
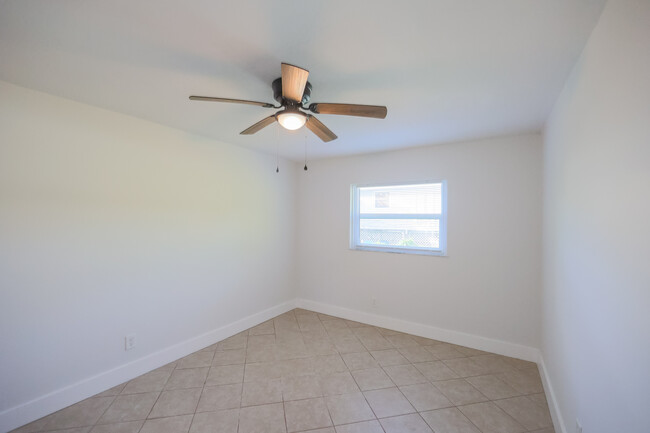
293,92
291,119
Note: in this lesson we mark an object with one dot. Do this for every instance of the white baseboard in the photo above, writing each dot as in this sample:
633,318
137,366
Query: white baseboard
553,405
56,400
474,341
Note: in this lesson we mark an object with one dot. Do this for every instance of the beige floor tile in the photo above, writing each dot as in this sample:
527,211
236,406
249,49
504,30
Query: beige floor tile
314,367
225,374
72,430
263,392
361,427
540,399
320,347
492,387
229,357
449,420
401,340
417,354
130,407
301,387
196,359
544,430
445,351
375,343
338,383
406,423
259,371
328,364
334,323
297,367
425,396
388,402
174,424
466,367
492,363
524,381
82,414
235,342
260,354
349,408
389,357
349,345
435,370
489,418
268,418
120,427
261,341
460,392
359,361
320,430
262,329
176,402
222,421
187,378
220,397
306,414
374,378
149,382
404,374
341,333
527,412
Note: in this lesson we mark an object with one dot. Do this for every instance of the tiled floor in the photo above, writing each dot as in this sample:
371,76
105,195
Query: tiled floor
304,371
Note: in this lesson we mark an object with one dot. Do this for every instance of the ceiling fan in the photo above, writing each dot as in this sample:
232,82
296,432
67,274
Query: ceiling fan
293,92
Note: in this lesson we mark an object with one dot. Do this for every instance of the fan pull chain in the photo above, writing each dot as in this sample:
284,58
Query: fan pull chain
305,152
277,149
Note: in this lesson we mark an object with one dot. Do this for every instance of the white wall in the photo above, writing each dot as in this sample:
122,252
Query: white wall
112,225
596,297
489,285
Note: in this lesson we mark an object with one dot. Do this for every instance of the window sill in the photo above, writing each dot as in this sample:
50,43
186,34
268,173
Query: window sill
438,253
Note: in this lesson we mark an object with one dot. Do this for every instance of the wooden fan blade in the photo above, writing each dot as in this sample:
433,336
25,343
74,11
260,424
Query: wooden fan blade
234,101
376,111
317,127
259,125
294,80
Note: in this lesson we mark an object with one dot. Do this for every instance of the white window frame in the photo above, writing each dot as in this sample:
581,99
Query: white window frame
355,218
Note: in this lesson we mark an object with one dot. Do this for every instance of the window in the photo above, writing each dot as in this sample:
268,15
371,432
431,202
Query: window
407,218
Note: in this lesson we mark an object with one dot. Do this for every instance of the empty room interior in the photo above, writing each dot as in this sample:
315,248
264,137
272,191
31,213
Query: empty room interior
325,216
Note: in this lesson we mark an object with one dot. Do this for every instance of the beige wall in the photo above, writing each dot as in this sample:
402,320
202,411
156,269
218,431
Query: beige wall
488,285
596,303
111,225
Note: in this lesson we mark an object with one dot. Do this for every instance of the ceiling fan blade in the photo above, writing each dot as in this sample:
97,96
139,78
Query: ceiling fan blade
376,111
234,101
294,80
317,127
259,125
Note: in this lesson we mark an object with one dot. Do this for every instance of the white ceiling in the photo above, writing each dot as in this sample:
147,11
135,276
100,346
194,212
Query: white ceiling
447,70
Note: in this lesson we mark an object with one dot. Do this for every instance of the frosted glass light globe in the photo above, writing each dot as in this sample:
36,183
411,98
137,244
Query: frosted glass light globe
292,120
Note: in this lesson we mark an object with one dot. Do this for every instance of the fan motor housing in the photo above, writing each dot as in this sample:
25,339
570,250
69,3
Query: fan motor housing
277,93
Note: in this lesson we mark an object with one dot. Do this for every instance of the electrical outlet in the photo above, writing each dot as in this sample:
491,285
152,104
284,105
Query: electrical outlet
578,426
373,301
129,342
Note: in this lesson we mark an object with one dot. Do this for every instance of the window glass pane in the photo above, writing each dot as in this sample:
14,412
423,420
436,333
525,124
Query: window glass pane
416,233
404,199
